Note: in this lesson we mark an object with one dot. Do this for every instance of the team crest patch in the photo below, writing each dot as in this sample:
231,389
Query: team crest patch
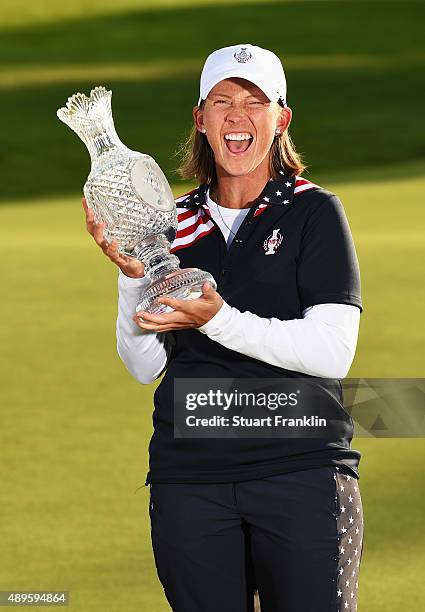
243,56
273,242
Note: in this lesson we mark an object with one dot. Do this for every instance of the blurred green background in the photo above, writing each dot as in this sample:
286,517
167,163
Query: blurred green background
75,425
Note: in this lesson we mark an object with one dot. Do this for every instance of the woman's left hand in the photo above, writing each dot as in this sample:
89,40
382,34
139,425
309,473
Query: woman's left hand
187,313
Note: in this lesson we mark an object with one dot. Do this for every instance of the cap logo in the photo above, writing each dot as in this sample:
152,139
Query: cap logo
243,56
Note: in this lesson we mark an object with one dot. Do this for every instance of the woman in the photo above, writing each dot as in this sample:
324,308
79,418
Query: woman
228,515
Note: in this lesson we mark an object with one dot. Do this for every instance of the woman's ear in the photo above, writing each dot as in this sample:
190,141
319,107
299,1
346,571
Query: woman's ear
198,118
284,120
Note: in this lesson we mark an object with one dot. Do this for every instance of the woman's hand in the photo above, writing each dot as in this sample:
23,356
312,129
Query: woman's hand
187,313
130,266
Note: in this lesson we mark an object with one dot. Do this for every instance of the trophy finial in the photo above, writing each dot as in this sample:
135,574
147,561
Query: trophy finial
80,107
91,118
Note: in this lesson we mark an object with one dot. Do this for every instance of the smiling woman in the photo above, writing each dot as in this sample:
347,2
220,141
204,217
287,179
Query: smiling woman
240,124
287,306
197,154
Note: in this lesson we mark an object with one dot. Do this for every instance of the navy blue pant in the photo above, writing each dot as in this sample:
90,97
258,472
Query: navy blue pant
296,537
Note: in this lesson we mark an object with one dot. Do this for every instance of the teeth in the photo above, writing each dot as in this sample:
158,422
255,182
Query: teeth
238,136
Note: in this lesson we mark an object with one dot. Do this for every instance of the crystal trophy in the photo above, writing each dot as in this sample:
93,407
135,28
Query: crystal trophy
130,194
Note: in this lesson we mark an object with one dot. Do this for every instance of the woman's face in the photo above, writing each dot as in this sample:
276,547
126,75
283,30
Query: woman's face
240,123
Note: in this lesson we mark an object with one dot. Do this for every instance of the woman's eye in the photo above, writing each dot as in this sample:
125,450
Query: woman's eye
255,103
221,102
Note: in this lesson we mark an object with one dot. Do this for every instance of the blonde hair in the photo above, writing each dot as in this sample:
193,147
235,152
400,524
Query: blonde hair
197,157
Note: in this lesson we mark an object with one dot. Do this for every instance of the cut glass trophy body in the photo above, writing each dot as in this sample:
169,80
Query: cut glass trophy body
130,194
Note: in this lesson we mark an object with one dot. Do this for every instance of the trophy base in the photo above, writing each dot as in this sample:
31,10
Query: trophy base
183,284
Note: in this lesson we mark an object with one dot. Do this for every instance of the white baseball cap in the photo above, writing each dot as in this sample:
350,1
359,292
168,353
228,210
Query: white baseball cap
260,66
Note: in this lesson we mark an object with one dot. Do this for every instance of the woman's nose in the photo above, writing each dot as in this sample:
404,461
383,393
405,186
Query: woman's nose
236,111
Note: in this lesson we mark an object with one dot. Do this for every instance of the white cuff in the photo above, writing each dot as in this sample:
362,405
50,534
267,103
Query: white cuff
218,321
126,282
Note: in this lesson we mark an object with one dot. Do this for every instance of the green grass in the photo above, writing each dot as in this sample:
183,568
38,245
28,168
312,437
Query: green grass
75,425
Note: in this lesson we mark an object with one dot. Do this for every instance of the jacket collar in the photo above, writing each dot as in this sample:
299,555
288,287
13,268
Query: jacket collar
277,192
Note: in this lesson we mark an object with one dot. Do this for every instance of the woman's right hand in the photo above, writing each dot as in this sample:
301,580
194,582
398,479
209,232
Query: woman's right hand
130,266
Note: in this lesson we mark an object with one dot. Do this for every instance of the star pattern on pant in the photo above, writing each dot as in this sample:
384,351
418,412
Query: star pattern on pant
349,518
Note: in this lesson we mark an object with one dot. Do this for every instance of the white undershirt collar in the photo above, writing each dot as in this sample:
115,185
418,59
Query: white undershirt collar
228,219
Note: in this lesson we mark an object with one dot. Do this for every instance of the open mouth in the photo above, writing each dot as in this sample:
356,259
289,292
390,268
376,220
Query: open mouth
238,142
